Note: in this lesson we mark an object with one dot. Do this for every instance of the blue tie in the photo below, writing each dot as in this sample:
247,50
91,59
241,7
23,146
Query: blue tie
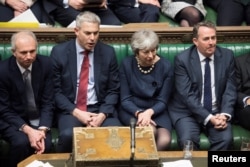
207,87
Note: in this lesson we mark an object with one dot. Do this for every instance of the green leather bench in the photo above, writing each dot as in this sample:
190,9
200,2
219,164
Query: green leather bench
122,50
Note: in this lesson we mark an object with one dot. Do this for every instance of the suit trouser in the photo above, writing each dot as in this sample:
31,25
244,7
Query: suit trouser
188,128
244,117
141,14
230,12
20,147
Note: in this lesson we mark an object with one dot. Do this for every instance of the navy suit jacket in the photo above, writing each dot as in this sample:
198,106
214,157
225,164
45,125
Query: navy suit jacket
242,78
12,92
188,83
106,76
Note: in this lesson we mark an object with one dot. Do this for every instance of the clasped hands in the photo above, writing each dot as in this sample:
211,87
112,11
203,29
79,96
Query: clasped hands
219,121
88,118
36,138
80,4
18,6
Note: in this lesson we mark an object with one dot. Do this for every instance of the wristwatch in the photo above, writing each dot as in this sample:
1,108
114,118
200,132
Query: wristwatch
138,112
44,129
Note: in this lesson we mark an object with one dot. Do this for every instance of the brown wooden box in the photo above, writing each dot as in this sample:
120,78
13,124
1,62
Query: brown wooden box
110,147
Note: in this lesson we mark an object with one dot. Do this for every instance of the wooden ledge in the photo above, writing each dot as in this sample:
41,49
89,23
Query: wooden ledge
122,34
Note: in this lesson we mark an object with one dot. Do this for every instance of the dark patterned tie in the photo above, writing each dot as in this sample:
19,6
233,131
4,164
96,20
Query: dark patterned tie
207,86
31,105
81,102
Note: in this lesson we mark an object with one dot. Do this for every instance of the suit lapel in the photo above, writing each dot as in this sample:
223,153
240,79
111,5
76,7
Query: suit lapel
35,79
247,62
217,70
97,65
17,76
196,68
71,56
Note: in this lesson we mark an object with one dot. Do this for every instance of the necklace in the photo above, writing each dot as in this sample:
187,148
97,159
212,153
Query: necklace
144,71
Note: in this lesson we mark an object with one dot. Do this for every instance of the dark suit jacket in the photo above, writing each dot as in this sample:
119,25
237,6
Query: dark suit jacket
130,3
242,78
106,76
12,91
188,82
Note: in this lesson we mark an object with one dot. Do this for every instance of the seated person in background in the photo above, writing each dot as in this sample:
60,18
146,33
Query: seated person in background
242,71
205,91
186,12
26,99
12,8
230,12
146,85
136,11
67,10
86,81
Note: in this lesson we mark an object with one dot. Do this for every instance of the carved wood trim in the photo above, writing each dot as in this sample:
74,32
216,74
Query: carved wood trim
233,34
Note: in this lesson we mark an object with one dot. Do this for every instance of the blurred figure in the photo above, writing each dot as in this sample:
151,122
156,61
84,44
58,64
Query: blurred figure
67,10
242,111
136,11
186,12
230,12
146,85
26,99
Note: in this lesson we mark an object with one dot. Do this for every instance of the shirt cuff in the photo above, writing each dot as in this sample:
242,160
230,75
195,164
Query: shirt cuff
228,115
245,101
65,3
207,119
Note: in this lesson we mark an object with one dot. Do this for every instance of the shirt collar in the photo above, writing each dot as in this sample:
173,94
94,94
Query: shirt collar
202,57
23,69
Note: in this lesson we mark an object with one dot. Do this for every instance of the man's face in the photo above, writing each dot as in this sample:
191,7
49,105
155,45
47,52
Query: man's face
206,41
25,51
87,35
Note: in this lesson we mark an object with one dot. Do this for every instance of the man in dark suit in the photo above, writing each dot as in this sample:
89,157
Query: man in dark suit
136,11
194,108
102,81
243,87
26,114
66,11
230,12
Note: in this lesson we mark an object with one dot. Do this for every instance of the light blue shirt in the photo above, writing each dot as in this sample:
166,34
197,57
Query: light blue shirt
92,98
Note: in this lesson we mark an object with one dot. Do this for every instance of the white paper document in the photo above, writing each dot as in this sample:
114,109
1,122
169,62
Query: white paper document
178,163
26,16
37,163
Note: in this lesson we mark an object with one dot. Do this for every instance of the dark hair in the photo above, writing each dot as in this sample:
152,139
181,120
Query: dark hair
202,24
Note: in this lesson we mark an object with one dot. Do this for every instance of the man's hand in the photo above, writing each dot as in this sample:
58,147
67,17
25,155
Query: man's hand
17,5
83,116
152,2
77,4
97,120
36,138
219,121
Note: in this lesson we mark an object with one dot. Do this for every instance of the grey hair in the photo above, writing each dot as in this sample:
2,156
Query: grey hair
208,24
16,35
87,17
144,39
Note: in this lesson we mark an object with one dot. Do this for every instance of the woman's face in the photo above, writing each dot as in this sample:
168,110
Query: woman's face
146,57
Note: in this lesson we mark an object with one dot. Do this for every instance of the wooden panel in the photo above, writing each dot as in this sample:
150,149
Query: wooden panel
122,34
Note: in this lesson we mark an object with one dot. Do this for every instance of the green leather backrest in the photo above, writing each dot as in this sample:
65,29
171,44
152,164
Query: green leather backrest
122,50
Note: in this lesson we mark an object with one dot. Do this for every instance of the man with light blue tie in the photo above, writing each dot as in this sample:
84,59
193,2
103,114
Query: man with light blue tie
205,92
